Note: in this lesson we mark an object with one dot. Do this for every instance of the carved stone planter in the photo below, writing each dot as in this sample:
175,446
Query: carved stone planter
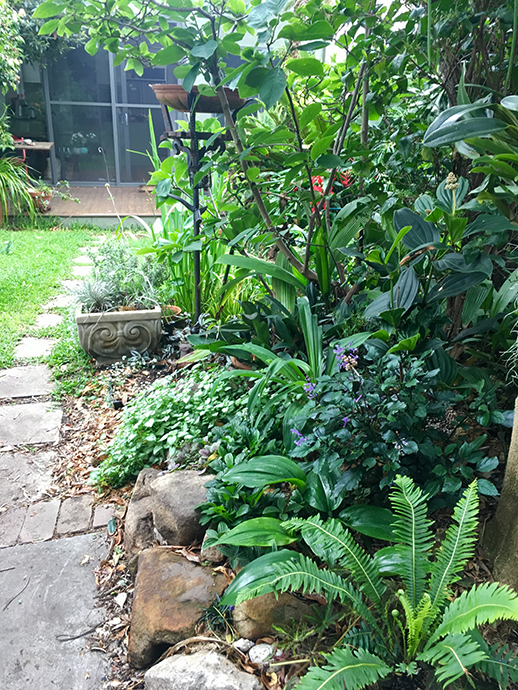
110,336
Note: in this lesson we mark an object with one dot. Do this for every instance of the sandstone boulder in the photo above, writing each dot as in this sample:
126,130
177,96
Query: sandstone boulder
174,497
170,596
203,670
211,553
254,618
138,524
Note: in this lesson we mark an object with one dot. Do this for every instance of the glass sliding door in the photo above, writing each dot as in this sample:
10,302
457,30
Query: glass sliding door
99,119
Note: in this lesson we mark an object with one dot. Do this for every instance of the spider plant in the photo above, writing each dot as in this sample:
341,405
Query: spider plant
411,624
14,188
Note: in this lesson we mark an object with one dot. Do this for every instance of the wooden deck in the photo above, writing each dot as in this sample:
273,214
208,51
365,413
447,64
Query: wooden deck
105,203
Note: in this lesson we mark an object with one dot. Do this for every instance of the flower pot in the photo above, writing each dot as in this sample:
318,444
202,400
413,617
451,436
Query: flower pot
110,336
170,312
41,200
175,96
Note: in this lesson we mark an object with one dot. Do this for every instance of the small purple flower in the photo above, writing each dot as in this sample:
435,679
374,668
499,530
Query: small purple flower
300,438
309,389
346,420
346,360
358,398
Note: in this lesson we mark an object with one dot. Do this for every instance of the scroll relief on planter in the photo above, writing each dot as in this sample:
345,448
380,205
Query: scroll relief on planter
109,336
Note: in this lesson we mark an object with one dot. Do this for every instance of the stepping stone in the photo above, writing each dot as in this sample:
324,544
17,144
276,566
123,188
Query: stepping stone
102,516
25,477
59,602
48,320
81,271
60,302
71,284
11,523
29,348
75,515
33,423
40,522
83,260
24,382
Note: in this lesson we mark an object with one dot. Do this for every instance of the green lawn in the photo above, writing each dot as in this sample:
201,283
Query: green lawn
32,264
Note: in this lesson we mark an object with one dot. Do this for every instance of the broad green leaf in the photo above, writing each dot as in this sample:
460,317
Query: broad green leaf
309,113
465,129
306,67
284,292
264,470
272,87
190,77
510,102
402,296
205,51
260,266
168,56
329,161
370,520
454,285
252,173
421,232
262,531
320,146
48,9
405,345
49,28
261,570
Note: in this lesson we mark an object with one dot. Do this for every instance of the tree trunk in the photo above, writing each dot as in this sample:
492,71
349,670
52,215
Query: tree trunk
500,540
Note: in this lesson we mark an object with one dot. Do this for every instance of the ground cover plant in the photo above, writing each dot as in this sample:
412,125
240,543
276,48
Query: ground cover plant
33,261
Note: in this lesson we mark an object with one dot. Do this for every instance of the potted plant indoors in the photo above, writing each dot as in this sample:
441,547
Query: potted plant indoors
118,312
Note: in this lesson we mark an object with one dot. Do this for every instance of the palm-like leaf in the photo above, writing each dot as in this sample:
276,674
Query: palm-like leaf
412,529
482,604
331,542
453,656
458,546
345,668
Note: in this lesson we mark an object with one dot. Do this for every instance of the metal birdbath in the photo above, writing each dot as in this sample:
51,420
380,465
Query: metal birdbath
174,96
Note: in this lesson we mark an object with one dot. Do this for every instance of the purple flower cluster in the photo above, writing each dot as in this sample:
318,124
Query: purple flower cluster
309,388
300,438
347,359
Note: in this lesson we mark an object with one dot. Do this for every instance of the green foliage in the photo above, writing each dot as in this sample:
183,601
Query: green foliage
414,628
11,53
164,418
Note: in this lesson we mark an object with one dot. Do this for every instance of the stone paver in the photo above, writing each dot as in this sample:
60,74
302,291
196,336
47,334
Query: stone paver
22,382
71,285
40,522
74,515
29,348
59,602
81,271
32,423
102,516
83,260
25,477
11,523
60,302
48,320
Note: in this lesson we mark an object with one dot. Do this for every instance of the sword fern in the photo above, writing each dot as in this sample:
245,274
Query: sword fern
420,625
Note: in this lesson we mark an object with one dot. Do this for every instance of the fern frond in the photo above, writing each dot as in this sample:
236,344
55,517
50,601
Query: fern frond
412,529
330,541
457,547
345,668
482,604
453,656
298,573
501,663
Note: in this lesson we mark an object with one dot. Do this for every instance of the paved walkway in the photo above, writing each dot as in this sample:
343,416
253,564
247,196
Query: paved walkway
49,548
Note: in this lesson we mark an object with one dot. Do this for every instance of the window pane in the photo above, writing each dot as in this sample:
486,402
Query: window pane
131,88
77,76
134,136
79,132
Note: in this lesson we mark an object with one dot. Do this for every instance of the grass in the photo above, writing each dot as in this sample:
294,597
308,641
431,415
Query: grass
33,261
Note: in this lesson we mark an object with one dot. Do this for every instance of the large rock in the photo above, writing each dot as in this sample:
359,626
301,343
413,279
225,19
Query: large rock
202,670
254,618
170,596
174,497
138,524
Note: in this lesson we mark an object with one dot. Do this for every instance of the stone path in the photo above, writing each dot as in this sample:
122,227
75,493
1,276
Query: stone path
49,547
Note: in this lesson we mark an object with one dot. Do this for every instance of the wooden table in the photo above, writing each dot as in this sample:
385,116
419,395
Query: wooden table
34,146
